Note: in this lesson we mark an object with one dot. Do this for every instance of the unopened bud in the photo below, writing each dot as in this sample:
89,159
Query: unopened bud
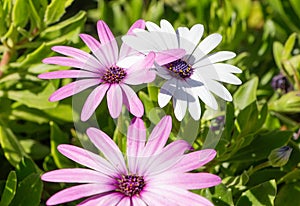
280,156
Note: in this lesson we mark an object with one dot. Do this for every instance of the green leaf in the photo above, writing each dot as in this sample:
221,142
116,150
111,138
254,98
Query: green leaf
262,194
296,5
277,53
288,194
34,15
288,46
58,137
29,191
289,102
290,177
246,94
55,10
35,149
20,13
9,190
262,145
38,101
25,168
13,151
220,195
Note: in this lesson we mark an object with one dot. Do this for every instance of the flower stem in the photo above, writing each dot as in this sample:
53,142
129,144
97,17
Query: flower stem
4,61
259,167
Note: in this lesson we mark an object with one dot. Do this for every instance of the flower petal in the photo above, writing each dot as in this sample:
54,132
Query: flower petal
137,201
76,175
180,103
218,89
73,88
132,101
70,62
102,199
169,35
68,74
125,201
77,54
158,137
189,181
166,92
193,160
93,101
136,138
88,159
213,58
194,106
166,56
209,43
156,197
164,160
125,50
108,147
139,72
77,192
114,100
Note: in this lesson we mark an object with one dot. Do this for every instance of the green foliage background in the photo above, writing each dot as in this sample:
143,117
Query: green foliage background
265,36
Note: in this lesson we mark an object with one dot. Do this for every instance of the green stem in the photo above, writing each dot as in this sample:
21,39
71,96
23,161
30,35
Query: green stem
259,167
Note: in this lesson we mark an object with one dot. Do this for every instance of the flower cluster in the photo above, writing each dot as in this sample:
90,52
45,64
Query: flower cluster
153,172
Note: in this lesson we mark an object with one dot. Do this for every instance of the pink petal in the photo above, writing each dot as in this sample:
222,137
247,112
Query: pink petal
164,160
97,50
178,195
68,74
125,50
193,160
156,197
136,138
107,38
139,72
93,101
108,147
103,199
88,159
77,192
190,181
136,201
158,137
77,54
131,101
70,62
125,201
73,88
167,56
114,100
76,175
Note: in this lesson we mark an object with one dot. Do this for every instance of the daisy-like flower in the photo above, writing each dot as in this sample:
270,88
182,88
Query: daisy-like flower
155,174
196,74
101,69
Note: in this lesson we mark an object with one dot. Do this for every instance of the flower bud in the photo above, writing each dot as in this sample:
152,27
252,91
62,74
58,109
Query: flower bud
280,156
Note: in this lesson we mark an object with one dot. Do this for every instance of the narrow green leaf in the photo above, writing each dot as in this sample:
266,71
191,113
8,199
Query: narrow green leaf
13,151
20,13
296,5
288,46
55,10
38,101
9,190
277,53
58,137
35,149
246,94
262,194
25,168
29,191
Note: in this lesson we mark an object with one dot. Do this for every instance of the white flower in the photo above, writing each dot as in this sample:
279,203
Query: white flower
196,74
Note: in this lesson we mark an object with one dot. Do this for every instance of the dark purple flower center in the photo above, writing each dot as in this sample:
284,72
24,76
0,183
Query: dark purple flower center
130,185
180,67
114,75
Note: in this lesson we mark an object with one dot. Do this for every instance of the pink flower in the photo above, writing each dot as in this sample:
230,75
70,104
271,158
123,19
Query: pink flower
101,69
155,174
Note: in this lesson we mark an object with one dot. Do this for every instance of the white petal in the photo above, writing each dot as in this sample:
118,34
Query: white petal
166,92
213,58
193,105
219,90
180,103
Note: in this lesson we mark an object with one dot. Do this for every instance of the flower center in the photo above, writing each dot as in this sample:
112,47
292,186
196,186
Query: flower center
130,185
114,75
180,67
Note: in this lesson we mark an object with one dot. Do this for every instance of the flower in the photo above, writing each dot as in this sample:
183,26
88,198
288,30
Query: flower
155,174
280,82
102,70
196,74
280,156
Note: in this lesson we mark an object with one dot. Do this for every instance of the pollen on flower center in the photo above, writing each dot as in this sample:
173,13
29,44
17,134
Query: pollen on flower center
180,67
114,75
130,185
